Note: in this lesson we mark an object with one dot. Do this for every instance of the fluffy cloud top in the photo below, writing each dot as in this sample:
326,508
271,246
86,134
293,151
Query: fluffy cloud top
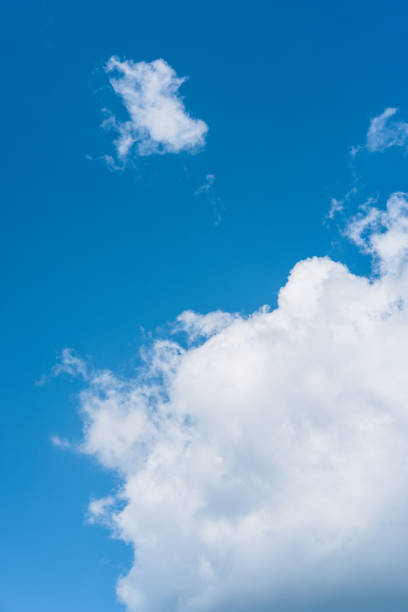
264,462
158,121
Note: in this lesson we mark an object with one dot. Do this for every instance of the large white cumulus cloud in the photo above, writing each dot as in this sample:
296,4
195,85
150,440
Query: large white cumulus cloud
267,460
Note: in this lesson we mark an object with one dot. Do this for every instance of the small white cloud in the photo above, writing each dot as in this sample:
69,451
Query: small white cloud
158,121
383,234
384,133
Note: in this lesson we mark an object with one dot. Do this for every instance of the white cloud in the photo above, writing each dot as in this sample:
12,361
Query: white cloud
158,121
384,234
267,460
384,133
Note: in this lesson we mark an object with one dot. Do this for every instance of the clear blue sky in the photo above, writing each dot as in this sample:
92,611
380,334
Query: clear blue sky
96,259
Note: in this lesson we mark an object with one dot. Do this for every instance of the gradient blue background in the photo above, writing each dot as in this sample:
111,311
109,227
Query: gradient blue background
90,258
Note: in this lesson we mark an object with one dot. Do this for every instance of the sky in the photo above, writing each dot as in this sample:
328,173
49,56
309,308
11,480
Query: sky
204,286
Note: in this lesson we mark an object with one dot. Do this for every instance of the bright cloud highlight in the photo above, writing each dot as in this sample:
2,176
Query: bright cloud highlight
158,121
265,460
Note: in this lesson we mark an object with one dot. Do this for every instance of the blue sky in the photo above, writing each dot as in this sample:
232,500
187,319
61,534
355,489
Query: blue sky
101,259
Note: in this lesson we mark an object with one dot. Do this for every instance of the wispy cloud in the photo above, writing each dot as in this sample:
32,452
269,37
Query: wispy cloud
158,121
68,363
207,185
62,443
338,204
208,190
100,509
384,133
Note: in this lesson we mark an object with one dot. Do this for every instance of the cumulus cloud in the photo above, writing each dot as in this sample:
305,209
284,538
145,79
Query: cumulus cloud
263,462
157,119
384,133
